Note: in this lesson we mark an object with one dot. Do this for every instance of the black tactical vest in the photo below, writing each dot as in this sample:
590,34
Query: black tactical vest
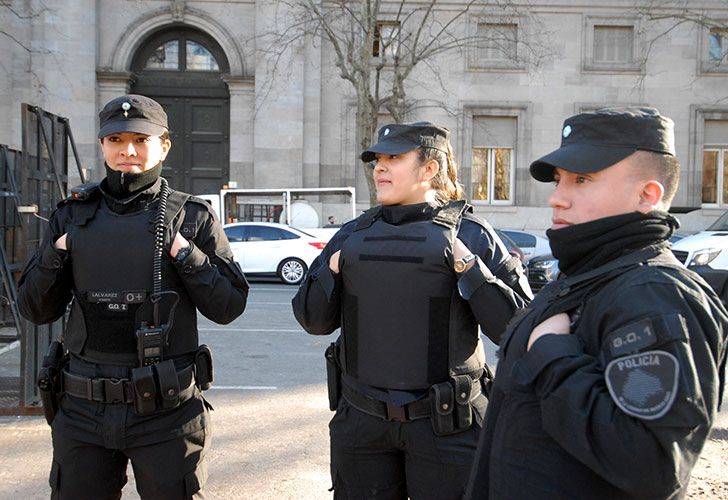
112,259
404,324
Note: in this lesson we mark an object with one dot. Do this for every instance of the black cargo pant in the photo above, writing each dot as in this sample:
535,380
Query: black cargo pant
173,470
372,458
94,442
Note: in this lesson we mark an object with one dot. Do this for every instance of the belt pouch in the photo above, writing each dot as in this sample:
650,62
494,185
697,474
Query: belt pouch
145,390
442,399
463,411
168,384
333,375
204,375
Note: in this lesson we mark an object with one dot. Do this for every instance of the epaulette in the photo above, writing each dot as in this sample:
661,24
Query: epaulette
82,192
449,214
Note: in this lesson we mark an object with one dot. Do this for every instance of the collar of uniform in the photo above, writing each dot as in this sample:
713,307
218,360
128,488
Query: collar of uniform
135,201
401,214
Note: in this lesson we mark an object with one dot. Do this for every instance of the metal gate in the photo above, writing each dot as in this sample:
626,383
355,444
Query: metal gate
32,182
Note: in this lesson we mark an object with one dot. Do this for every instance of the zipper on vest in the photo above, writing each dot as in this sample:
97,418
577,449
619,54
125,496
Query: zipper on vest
122,179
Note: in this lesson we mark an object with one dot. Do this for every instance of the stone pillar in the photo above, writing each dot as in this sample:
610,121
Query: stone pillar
242,130
278,136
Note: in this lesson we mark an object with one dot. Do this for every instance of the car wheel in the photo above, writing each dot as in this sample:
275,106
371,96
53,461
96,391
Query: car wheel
292,271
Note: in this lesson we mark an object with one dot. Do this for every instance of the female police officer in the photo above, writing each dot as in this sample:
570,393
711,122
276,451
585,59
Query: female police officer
136,259
408,294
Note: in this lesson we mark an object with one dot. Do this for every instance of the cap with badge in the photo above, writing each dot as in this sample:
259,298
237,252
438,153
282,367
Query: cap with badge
132,113
596,140
399,138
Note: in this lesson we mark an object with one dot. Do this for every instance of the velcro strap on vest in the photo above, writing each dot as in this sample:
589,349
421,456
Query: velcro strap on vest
112,390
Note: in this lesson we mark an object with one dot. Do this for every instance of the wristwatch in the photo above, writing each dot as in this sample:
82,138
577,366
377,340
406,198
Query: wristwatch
461,264
182,253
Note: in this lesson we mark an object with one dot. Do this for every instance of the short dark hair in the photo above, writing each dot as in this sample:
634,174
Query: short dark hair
663,168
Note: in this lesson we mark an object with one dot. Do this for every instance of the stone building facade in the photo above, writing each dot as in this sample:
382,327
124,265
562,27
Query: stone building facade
237,117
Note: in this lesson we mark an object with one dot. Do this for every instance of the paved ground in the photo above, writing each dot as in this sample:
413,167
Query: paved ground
270,435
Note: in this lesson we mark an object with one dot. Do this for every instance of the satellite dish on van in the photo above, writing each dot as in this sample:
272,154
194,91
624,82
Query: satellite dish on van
302,215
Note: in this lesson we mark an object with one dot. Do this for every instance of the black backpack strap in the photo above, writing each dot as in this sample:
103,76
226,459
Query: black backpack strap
175,202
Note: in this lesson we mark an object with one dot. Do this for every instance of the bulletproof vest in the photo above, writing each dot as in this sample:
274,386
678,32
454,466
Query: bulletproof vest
112,261
404,324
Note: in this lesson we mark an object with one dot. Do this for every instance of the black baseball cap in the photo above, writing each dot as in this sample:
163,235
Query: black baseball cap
399,138
132,113
596,140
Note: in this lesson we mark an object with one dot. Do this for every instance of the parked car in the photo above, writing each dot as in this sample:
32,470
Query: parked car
512,247
706,248
531,244
271,249
543,269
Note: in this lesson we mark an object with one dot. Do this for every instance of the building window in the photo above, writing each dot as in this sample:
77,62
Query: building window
494,46
491,173
714,50
178,52
499,42
613,44
386,35
715,163
492,167
717,45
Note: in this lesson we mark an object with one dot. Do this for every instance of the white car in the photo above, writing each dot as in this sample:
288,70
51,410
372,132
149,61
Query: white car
270,249
706,248
531,244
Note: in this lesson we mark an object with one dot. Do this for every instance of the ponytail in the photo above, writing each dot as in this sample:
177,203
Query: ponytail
445,183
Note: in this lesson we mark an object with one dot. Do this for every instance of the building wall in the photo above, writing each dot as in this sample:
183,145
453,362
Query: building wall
292,125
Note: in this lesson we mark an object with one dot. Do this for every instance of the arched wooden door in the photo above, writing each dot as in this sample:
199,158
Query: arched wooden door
182,69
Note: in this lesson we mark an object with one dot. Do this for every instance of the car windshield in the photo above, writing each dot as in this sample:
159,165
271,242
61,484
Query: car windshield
721,224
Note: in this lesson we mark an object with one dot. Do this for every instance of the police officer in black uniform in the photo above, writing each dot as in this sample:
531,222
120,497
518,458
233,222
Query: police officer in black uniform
408,294
135,259
607,386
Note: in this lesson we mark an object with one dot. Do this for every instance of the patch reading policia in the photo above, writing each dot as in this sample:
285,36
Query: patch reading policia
643,385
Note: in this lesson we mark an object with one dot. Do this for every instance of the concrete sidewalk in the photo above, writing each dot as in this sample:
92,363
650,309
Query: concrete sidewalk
266,445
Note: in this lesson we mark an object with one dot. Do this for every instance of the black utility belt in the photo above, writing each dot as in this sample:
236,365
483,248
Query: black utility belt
448,405
150,389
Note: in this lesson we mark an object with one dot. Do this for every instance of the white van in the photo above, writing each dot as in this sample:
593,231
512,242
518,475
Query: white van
706,248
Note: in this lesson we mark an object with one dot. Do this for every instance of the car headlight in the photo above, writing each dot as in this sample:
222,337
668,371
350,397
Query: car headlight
704,256
550,268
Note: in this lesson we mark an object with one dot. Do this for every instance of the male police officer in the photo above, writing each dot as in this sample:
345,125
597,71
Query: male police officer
607,387
136,259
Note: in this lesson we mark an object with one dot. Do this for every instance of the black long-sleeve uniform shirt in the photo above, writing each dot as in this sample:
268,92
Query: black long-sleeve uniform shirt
554,430
210,275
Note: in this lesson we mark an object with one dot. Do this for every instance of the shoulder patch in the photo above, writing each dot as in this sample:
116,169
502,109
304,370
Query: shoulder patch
633,337
643,385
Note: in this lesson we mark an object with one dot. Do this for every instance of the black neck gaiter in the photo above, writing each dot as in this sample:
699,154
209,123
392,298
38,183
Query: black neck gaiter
586,246
121,185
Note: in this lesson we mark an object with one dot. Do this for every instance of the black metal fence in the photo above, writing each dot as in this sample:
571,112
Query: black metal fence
33,180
